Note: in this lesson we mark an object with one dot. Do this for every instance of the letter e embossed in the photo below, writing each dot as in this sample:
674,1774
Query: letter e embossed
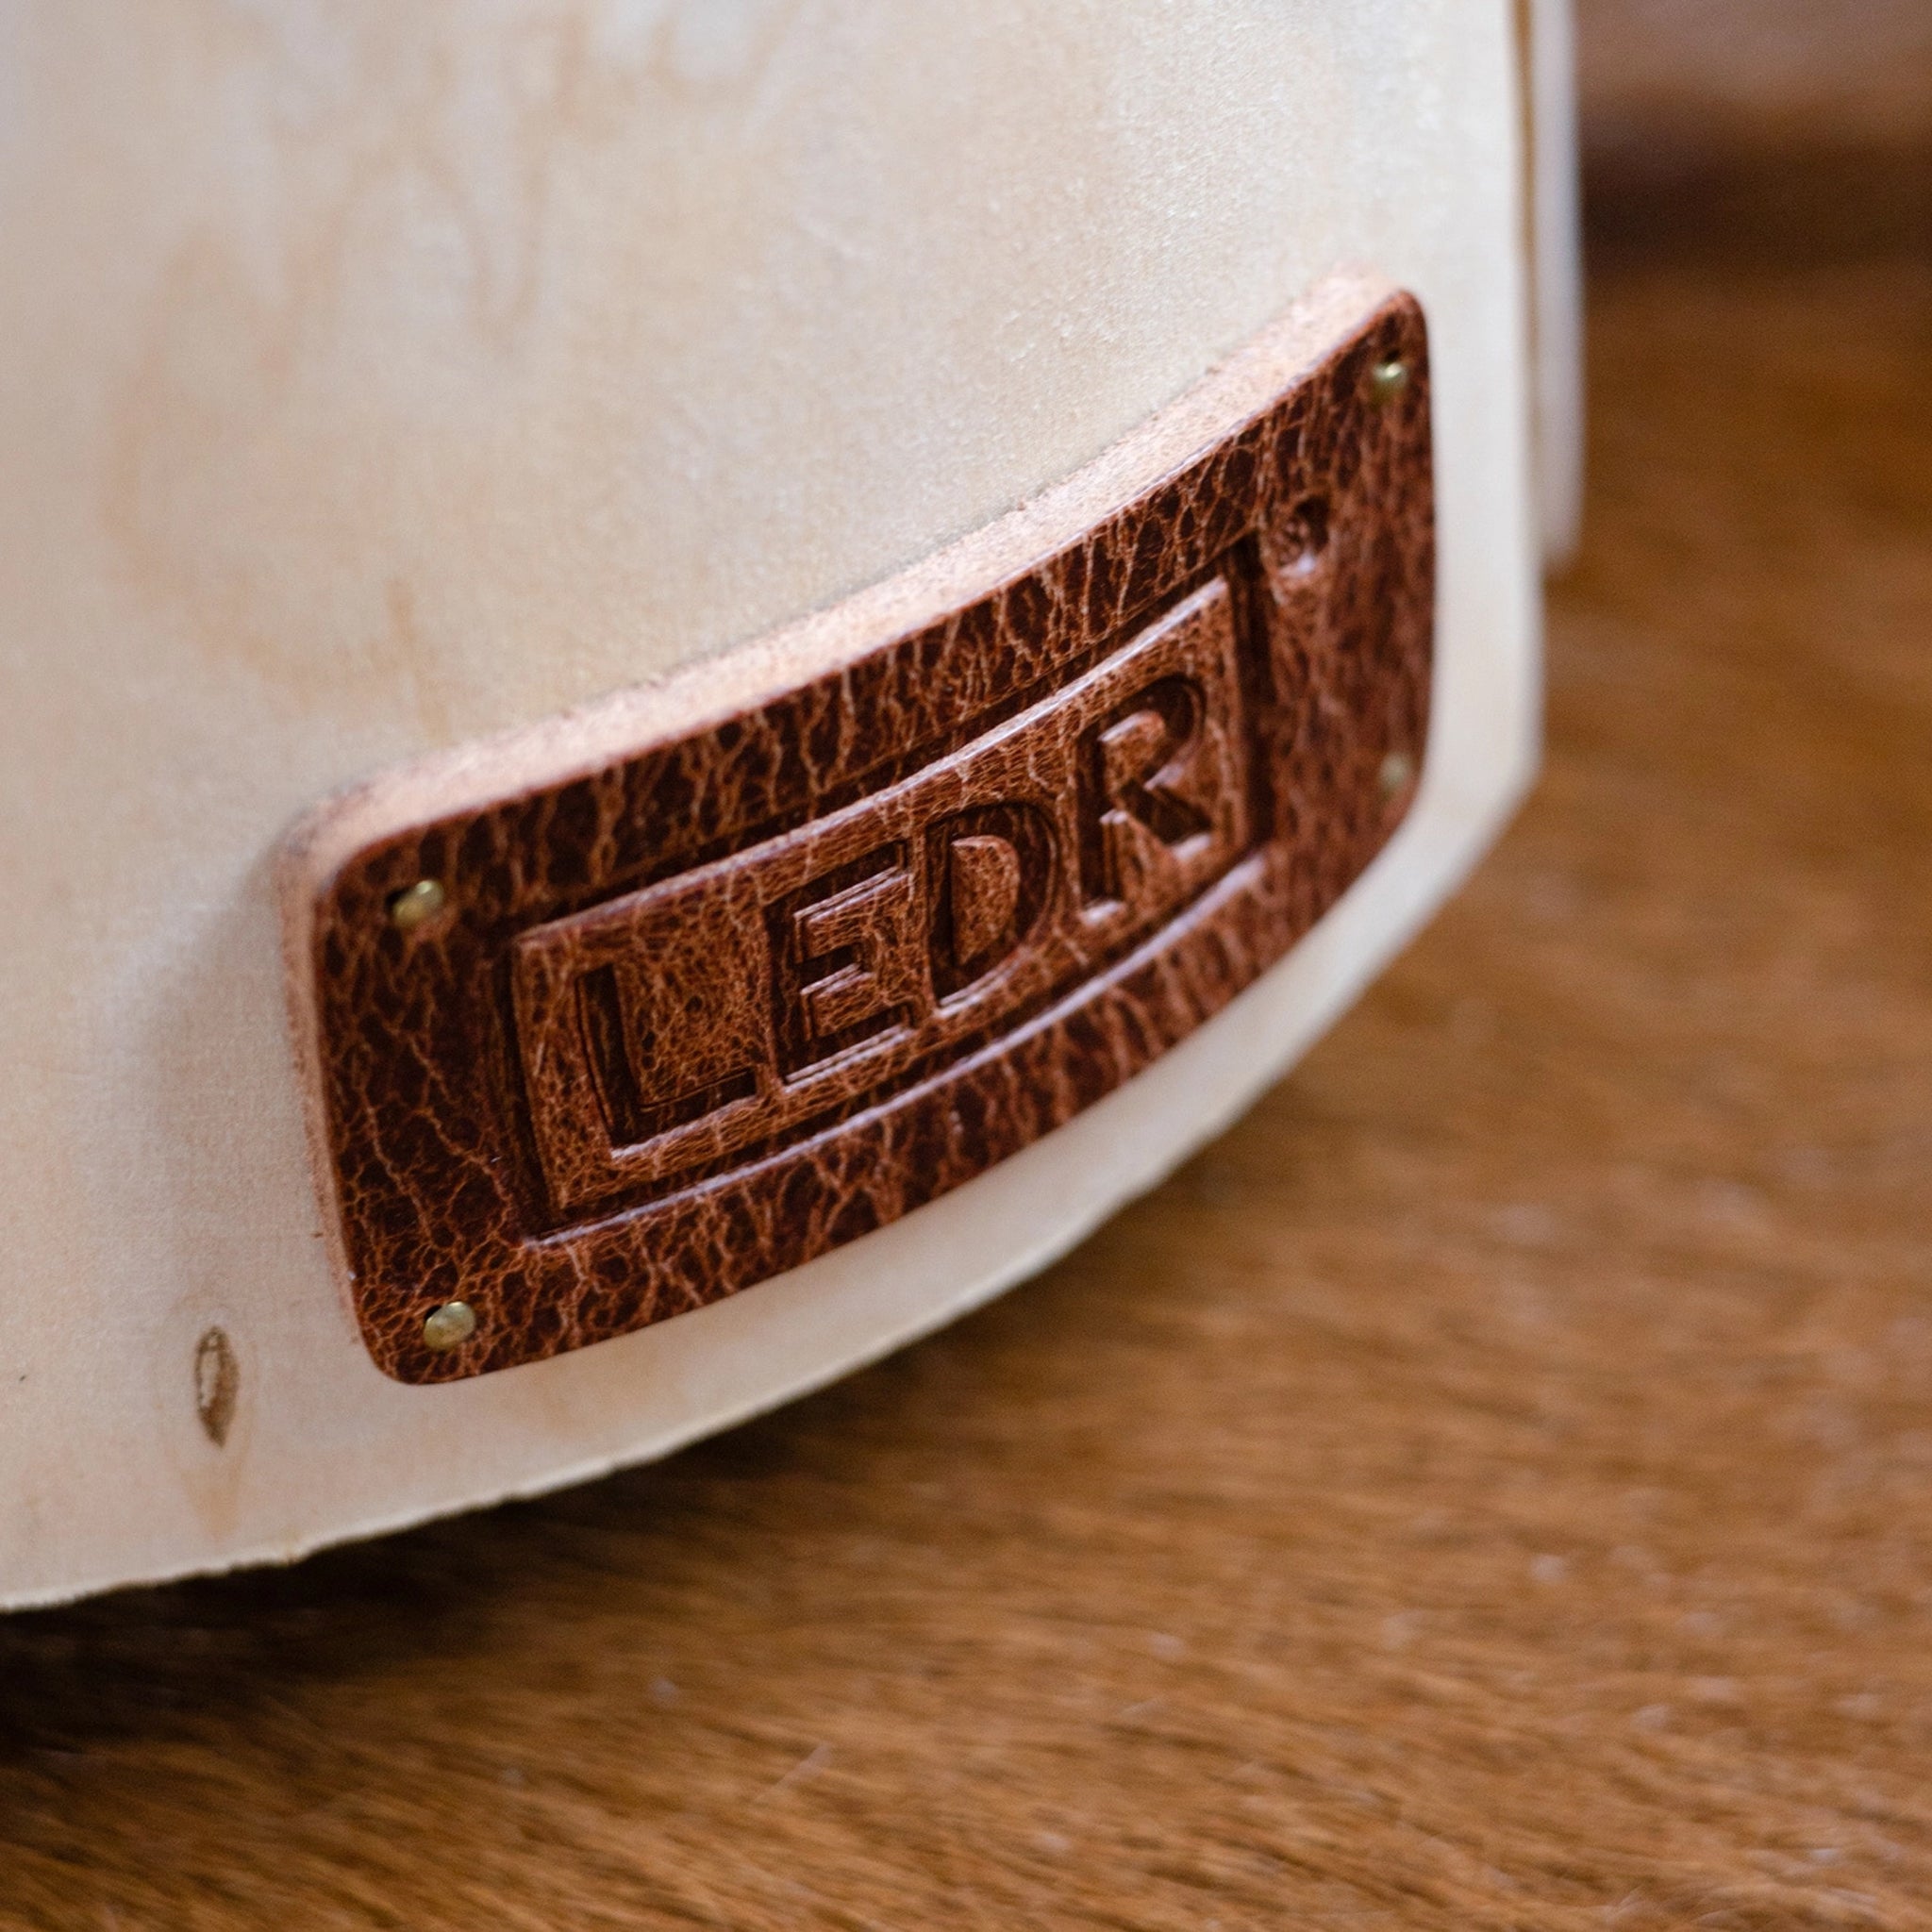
851,964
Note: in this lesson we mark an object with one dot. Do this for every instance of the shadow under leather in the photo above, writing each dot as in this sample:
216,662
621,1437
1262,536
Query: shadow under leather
192,1657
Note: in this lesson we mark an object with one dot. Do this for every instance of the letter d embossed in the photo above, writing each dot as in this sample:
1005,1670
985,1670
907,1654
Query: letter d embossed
707,1006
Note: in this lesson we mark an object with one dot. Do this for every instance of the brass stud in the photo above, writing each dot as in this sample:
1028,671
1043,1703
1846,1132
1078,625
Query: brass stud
1397,773
1387,380
416,906
449,1326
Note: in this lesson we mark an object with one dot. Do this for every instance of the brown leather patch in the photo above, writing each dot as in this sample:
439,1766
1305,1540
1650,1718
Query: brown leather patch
687,1018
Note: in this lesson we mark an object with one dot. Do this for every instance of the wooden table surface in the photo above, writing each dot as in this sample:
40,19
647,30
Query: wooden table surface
1493,1486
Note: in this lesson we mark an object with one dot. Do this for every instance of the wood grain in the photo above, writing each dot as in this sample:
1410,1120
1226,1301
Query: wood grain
1493,1486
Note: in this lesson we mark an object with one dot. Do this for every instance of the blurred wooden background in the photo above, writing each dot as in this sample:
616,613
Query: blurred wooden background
1490,1487
1849,73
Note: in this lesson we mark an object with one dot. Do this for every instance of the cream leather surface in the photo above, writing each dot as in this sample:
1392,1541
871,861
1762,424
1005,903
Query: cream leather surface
382,376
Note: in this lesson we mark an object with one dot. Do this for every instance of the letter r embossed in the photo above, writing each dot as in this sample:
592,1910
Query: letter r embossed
1141,767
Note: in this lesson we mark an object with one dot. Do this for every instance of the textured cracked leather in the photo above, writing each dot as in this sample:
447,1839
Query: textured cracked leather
686,1019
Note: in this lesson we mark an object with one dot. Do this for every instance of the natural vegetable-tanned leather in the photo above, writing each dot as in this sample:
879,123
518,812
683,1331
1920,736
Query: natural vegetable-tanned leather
692,1018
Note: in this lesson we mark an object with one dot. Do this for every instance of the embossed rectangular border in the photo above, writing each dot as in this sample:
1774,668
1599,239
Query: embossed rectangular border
1304,455
700,923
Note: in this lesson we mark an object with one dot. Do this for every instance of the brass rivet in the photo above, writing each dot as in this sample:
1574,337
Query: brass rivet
216,1385
449,1326
1387,380
1397,773
416,904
